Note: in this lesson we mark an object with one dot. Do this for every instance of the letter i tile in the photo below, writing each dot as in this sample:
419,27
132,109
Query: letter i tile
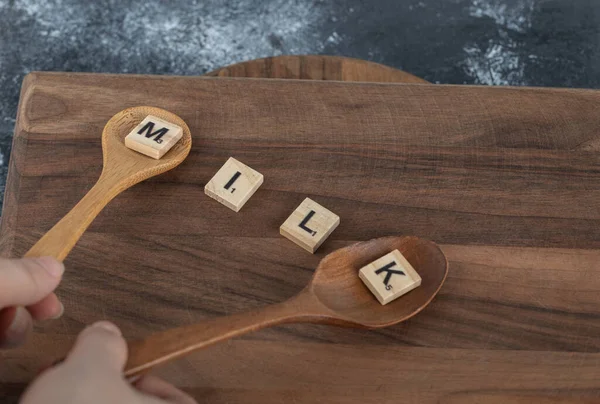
234,184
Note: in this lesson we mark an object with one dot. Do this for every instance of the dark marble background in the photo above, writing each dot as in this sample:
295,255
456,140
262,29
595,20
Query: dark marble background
494,42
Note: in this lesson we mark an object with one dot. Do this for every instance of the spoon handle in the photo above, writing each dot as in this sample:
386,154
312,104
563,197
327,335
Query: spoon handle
61,238
174,343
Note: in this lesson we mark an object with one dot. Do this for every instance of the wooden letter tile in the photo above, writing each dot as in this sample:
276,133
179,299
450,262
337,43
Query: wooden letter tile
153,137
234,184
390,277
309,225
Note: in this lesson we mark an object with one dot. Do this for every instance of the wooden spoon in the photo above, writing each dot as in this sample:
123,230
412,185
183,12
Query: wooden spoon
122,168
335,296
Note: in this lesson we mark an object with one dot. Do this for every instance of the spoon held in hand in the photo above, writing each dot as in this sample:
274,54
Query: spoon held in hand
122,168
335,296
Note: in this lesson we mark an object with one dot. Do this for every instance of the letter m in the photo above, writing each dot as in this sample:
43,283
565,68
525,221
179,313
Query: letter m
149,128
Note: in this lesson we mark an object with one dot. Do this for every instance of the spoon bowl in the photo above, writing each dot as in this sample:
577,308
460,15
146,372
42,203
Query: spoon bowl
335,296
337,286
129,166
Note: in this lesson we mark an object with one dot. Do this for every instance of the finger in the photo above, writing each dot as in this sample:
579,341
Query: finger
49,308
156,387
27,281
102,346
15,326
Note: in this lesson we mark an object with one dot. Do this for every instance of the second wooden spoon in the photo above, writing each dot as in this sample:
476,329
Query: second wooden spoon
334,296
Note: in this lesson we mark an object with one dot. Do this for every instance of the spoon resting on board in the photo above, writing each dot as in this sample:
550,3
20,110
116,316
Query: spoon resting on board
334,296
122,168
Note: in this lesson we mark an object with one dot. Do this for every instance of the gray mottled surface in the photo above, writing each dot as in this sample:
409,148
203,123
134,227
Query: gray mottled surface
496,42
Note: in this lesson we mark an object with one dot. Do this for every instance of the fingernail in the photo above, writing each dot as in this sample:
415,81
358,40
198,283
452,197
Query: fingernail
60,312
18,330
110,327
134,379
20,321
52,266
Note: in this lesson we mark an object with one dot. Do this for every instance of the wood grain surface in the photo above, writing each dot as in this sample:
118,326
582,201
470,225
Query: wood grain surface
316,67
504,178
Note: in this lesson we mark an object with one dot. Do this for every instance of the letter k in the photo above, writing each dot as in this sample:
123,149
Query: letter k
389,271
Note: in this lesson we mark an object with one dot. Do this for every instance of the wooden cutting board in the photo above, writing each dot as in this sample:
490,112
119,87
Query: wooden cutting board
505,179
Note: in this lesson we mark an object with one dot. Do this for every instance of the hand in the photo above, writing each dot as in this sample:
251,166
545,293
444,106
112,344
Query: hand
93,374
26,294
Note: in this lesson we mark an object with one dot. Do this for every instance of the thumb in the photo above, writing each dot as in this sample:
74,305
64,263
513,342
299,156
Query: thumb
28,280
100,346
